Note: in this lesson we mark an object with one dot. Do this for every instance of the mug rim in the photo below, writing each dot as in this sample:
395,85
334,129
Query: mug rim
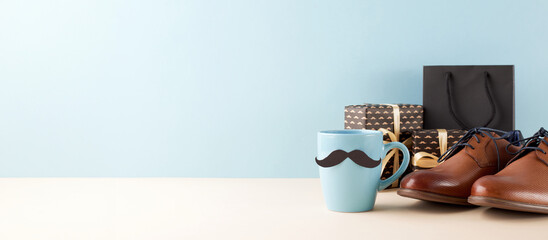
350,132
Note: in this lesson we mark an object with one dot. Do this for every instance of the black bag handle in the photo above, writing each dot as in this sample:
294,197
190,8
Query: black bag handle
448,77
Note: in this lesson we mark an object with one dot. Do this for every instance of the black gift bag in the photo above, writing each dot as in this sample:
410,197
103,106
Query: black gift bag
463,97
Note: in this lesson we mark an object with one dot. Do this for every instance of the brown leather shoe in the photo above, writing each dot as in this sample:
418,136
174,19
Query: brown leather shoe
482,151
522,185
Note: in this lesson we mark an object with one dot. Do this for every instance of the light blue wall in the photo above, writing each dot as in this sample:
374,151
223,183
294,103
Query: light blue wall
232,88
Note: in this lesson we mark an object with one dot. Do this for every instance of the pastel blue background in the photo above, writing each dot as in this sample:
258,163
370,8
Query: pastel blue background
232,88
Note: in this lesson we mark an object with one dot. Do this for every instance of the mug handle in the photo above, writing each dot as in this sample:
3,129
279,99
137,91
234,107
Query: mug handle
387,147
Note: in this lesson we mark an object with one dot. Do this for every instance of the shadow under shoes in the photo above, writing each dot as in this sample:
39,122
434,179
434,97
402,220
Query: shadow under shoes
523,184
480,152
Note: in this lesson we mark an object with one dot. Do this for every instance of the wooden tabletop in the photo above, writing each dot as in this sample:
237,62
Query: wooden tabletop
182,208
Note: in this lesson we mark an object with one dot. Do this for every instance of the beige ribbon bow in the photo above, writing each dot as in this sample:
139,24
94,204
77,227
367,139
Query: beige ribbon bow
428,160
394,137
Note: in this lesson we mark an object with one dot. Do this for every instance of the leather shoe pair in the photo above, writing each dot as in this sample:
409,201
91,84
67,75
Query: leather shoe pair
487,167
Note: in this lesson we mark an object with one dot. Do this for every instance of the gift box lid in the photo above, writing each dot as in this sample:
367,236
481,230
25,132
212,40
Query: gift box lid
427,140
375,116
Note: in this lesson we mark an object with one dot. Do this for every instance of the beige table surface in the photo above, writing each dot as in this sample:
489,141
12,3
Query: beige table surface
179,208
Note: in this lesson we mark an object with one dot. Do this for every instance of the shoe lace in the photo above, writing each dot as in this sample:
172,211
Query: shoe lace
512,136
530,144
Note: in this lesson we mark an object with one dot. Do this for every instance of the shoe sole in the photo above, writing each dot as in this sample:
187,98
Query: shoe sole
507,204
432,197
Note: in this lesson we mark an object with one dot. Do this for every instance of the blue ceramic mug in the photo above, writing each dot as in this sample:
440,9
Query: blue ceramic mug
350,168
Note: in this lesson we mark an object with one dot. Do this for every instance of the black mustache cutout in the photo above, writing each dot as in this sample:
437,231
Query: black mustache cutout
357,156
